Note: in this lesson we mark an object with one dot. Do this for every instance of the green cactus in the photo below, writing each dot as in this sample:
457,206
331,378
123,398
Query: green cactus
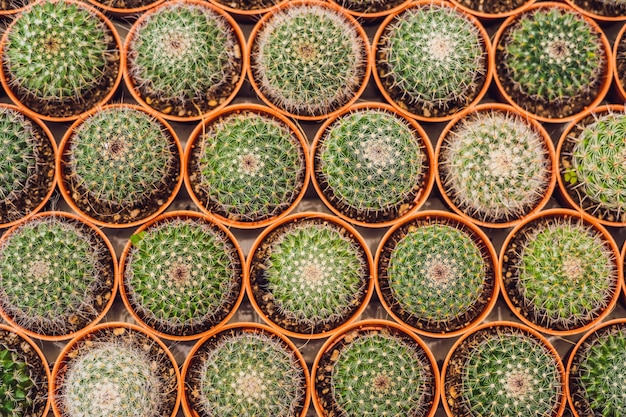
121,164
309,59
503,371
60,58
552,61
185,59
247,166
372,165
560,272
495,166
56,274
246,373
15,385
432,60
182,275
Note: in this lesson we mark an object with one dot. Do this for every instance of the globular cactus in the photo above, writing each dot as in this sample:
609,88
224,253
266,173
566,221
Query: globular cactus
15,385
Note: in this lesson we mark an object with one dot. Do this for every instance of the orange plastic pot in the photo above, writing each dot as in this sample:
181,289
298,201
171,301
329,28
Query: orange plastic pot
619,54
246,15
486,15
596,16
128,12
368,16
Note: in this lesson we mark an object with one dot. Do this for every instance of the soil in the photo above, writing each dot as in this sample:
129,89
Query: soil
601,8
127,4
421,323
492,6
8,5
22,202
370,6
620,61
248,4
37,372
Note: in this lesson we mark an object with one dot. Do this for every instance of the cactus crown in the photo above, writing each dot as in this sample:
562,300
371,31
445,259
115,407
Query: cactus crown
15,385
432,59
56,275
495,166
371,164
561,272
309,59
182,275
248,166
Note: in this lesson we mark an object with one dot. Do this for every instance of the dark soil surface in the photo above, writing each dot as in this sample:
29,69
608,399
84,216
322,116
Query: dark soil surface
248,4
371,6
602,8
127,4
492,6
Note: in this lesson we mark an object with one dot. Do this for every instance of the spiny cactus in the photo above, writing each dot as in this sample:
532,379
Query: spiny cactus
182,275
56,274
375,372
121,165
436,274
503,371
551,61
245,373
309,275
432,60
15,386
247,166
309,59
60,58
560,272
495,166
372,165
184,59
592,165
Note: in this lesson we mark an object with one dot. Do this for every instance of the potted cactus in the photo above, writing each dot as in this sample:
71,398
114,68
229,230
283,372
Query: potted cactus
493,9
24,376
308,59
245,369
60,58
371,165
27,156
431,60
120,165
437,273
495,166
375,368
602,10
503,369
561,271
247,165
542,56
115,369
184,59
309,274
181,274
57,275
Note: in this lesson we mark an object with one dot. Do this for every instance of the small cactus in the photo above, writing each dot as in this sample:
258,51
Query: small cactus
309,59
372,165
15,385
184,59
432,60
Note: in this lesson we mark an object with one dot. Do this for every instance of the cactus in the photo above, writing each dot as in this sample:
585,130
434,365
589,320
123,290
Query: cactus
560,272
245,373
15,385
184,59
182,275
121,164
372,165
503,371
495,166
60,58
56,275
309,59
247,166
432,60
552,61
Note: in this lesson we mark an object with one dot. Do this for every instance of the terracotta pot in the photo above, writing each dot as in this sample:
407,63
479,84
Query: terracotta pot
140,211
407,312
605,82
190,110
424,114
470,213
190,333
618,63
329,354
253,73
451,394
313,277
246,15
209,204
8,84
544,323
126,12
483,14
371,16
101,298
37,198
596,15
194,356
115,332
400,209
